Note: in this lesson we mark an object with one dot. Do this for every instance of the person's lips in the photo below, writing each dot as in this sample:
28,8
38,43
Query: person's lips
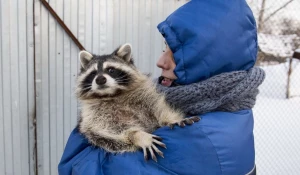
166,81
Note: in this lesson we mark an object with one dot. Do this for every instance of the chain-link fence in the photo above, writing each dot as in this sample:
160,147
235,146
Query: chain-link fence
277,112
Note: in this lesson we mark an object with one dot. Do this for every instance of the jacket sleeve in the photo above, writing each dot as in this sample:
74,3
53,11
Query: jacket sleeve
76,150
221,143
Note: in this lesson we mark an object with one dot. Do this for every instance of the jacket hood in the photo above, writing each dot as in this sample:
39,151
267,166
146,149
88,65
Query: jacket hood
209,37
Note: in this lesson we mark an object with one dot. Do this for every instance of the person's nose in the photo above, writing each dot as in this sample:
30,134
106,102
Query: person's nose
161,63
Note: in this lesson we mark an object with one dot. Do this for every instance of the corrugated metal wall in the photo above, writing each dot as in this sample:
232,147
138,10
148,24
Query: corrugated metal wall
39,65
101,26
17,87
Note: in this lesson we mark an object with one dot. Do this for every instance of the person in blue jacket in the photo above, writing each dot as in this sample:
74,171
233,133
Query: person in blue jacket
207,70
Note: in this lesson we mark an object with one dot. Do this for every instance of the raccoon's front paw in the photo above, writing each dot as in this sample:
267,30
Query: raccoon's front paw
156,140
185,121
148,142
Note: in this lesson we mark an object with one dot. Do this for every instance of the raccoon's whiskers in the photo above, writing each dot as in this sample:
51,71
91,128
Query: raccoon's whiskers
120,77
119,80
86,88
122,81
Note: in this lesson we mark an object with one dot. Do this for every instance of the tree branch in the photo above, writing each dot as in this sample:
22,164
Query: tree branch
261,16
282,7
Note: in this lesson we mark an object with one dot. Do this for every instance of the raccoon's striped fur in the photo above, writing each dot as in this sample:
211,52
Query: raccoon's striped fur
120,105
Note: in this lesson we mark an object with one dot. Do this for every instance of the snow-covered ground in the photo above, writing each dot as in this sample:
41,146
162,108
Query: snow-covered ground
277,122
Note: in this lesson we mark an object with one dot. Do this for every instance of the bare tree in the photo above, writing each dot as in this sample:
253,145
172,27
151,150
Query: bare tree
290,27
263,10
277,10
261,15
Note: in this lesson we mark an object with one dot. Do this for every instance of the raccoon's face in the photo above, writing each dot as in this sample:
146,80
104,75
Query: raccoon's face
106,75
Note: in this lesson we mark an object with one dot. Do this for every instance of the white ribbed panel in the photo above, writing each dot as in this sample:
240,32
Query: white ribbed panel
17,88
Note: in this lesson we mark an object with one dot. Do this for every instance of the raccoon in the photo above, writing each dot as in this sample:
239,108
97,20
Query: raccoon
120,105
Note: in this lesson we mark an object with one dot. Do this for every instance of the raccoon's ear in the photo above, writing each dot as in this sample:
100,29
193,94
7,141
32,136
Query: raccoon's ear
85,57
125,52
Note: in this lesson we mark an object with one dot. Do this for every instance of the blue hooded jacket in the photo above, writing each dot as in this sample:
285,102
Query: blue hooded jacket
207,37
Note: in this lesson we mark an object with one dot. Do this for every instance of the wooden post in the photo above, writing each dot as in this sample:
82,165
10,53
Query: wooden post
289,79
296,55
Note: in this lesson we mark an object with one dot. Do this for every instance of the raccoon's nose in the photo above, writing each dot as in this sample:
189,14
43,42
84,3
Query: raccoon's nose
101,80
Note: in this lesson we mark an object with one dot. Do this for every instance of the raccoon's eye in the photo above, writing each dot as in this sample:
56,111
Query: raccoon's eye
111,70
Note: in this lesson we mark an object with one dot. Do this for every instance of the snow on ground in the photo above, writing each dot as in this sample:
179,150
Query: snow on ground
277,122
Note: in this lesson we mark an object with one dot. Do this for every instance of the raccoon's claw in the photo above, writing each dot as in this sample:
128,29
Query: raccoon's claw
181,124
191,120
153,149
171,125
157,142
158,151
153,156
157,137
186,121
145,154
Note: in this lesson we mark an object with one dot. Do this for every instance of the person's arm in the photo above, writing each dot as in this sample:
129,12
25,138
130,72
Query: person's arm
77,149
220,143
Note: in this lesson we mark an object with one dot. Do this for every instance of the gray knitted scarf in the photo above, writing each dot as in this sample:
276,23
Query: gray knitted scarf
231,91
